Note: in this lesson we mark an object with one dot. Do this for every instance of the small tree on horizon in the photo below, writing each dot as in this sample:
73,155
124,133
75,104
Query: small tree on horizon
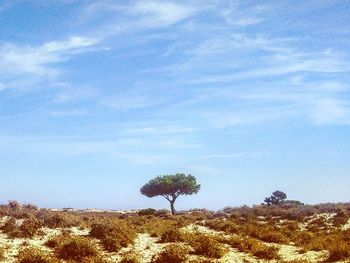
276,198
171,187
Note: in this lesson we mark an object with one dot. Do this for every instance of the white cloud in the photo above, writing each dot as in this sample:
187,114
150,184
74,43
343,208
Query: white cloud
161,13
2,87
235,15
73,44
240,155
283,64
330,111
69,93
156,130
136,98
124,102
31,62
138,15
71,112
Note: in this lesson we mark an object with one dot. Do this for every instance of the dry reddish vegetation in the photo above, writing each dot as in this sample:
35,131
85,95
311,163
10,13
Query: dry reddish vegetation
261,233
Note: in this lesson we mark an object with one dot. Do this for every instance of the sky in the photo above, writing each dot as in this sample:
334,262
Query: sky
98,97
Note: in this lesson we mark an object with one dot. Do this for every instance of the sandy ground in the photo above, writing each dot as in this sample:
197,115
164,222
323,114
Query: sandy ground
12,246
286,252
147,247
346,226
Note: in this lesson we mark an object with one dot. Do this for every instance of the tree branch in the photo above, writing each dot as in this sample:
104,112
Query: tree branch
166,197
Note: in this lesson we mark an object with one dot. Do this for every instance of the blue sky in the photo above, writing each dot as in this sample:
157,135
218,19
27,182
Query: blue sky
98,97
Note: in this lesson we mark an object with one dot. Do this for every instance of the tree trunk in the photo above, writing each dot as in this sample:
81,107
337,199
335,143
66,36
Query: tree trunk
172,207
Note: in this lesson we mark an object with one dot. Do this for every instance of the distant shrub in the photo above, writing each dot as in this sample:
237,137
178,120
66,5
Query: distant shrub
30,207
291,203
173,254
13,204
34,255
10,226
162,212
30,227
56,220
340,218
146,212
76,248
221,214
206,246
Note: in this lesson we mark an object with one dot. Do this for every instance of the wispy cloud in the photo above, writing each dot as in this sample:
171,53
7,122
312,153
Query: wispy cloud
136,15
71,112
34,62
162,13
330,111
235,14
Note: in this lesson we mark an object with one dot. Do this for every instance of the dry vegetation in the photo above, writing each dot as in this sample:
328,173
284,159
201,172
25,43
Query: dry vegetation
284,233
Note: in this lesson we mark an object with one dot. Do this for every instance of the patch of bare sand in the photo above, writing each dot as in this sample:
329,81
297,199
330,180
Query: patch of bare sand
193,228
292,253
13,245
233,255
326,217
77,231
286,252
145,247
346,226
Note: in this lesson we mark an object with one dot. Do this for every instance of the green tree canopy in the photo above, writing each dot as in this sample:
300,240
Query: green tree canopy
276,198
171,187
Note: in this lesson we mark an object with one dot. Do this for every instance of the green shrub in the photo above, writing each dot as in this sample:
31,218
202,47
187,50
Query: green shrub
339,251
255,247
173,254
112,243
130,258
206,246
30,227
76,248
2,253
10,228
57,241
113,235
34,255
171,235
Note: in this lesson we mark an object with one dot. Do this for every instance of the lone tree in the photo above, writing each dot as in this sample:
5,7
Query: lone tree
276,198
171,187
